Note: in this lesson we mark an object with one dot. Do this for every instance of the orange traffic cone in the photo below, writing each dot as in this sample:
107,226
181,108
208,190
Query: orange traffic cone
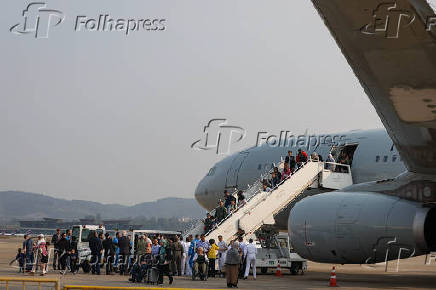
333,278
279,270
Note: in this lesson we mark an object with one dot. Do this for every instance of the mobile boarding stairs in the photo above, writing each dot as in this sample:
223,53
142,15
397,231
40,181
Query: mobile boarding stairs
261,206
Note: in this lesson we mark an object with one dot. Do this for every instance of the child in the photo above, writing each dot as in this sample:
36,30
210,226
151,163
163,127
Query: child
74,260
20,259
212,257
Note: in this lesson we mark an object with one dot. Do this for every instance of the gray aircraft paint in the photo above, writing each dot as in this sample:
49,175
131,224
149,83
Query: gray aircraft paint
371,143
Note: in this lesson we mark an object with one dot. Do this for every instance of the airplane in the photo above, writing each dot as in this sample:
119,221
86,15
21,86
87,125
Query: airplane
391,48
373,154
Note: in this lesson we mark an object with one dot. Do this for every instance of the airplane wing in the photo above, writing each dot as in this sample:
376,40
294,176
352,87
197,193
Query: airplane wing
391,46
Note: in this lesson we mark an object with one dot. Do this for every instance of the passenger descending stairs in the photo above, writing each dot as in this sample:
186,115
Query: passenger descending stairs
262,206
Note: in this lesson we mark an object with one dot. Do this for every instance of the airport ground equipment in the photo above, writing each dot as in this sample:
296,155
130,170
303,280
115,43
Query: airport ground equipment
275,252
261,206
80,236
333,278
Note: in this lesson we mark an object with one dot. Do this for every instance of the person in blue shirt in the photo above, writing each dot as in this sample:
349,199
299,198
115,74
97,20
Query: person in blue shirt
28,250
192,250
155,249
204,244
117,249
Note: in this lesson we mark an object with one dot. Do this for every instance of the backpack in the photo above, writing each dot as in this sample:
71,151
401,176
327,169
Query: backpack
201,259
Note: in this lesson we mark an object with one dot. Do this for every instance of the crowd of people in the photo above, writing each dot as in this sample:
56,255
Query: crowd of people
232,261
33,256
152,257
115,253
194,257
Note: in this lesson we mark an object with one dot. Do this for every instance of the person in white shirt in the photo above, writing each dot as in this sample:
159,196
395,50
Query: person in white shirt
200,261
182,263
186,269
222,251
251,252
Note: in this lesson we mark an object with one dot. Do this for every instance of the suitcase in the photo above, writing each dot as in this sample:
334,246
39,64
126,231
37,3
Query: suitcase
152,275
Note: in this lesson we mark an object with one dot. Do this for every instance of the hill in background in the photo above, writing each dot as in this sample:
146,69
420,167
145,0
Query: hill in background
26,205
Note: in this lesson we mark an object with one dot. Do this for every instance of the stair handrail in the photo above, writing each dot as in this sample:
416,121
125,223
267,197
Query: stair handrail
258,190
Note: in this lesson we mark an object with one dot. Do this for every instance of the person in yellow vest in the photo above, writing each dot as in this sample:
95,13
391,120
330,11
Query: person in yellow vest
212,257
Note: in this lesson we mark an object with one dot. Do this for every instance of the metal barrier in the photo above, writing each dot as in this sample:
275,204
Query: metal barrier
26,281
79,287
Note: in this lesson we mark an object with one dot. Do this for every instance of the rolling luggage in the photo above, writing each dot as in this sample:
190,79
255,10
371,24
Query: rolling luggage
152,275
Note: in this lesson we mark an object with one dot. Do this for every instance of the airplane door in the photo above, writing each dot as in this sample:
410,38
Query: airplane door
232,173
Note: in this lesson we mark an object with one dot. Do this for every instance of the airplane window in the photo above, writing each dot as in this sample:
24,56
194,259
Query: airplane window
394,158
385,158
259,167
377,158
211,171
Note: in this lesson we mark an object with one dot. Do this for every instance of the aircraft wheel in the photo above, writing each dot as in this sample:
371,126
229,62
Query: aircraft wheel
295,268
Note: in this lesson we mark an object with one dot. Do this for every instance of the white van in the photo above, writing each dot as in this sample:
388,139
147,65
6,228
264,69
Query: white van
80,240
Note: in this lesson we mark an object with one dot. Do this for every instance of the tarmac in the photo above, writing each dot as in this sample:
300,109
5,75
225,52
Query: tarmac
413,273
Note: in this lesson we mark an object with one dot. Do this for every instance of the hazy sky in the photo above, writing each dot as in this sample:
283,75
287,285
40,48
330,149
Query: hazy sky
107,117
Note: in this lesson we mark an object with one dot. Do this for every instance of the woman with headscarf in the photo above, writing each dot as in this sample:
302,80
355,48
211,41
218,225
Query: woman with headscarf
42,254
233,259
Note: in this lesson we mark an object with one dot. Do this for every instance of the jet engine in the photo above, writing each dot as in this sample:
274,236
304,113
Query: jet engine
360,227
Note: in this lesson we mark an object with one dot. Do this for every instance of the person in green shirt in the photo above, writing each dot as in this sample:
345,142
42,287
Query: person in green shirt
220,212
141,247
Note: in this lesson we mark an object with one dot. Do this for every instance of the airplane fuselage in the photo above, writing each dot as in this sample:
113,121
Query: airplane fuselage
374,158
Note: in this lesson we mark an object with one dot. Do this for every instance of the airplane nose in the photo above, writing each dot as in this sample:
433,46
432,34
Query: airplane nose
200,193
